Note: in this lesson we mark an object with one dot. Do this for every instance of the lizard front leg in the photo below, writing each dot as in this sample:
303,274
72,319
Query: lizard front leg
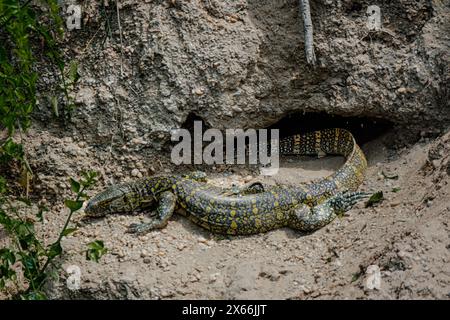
167,202
308,219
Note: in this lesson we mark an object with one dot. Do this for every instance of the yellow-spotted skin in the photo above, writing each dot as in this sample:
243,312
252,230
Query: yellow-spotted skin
304,207
329,141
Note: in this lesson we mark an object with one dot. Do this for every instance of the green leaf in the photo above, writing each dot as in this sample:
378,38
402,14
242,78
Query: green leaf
96,249
375,198
34,295
389,175
84,196
396,189
73,72
30,264
89,178
3,187
23,229
55,250
54,103
356,276
74,185
7,255
25,200
73,205
68,231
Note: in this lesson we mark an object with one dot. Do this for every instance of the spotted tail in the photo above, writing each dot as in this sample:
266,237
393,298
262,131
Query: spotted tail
329,141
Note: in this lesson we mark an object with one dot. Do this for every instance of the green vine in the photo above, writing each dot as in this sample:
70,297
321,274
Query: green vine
29,30
34,256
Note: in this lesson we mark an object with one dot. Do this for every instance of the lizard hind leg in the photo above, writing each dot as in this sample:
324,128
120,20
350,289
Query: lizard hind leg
309,219
167,203
343,202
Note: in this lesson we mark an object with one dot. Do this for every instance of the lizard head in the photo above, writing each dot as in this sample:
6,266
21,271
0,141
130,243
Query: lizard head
116,199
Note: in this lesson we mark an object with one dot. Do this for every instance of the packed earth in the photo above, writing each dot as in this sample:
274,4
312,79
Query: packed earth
241,64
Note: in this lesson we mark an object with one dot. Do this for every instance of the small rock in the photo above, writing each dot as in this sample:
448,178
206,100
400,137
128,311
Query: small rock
166,293
135,172
213,277
395,203
144,253
306,290
199,91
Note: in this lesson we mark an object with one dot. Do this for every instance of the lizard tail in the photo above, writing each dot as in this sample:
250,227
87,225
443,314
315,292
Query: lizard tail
329,141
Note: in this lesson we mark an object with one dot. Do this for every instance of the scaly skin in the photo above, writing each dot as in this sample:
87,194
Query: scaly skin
256,209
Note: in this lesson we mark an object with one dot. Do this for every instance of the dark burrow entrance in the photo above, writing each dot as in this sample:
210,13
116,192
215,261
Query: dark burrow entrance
364,129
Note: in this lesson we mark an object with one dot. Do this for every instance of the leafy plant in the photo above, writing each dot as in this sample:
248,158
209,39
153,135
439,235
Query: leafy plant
32,255
19,25
95,250
375,198
29,29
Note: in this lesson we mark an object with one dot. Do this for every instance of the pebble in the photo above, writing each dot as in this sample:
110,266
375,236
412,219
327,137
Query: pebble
202,239
166,293
137,141
144,253
213,277
143,238
199,91
136,173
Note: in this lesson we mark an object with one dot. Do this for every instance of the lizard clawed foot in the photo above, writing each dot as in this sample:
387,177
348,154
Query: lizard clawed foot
137,228
344,201
142,228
